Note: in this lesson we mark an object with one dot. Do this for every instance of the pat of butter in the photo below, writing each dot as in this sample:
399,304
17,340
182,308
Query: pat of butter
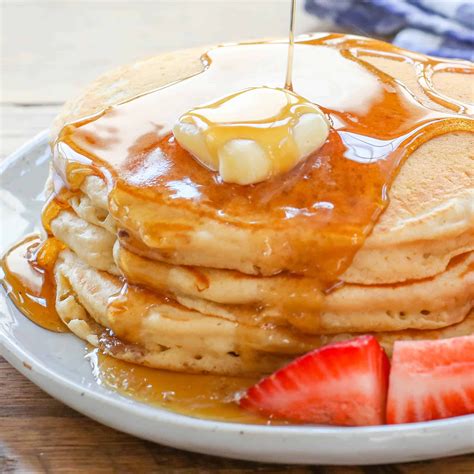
252,135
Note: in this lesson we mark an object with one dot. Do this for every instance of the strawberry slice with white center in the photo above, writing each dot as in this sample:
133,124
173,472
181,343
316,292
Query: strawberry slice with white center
431,380
340,384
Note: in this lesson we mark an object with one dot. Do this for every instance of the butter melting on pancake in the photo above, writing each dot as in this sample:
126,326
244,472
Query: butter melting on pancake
253,134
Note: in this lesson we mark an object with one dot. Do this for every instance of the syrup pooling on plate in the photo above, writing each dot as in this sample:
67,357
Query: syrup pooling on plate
203,396
377,123
28,280
28,266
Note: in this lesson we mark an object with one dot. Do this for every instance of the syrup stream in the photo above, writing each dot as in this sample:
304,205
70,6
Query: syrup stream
291,48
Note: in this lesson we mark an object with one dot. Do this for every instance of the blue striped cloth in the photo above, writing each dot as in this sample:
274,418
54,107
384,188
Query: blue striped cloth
436,27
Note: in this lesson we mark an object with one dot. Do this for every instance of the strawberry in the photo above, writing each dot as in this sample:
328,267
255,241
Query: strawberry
431,380
340,384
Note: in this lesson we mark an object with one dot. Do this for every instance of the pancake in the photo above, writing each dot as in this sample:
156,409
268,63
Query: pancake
93,243
238,297
426,241
161,333
164,264
433,190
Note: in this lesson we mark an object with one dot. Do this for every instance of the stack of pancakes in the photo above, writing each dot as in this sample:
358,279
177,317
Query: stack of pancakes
199,295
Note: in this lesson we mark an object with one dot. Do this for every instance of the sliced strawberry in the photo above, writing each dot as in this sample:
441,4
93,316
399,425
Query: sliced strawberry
340,384
431,380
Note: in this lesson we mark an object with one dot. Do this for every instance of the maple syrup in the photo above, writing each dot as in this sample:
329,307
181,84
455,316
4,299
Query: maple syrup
291,48
30,286
342,189
203,396
375,127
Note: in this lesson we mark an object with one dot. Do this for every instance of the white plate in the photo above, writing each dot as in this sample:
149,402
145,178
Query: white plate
58,367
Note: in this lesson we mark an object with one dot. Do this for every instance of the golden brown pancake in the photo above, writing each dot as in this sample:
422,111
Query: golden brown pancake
161,333
169,267
235,296
434,189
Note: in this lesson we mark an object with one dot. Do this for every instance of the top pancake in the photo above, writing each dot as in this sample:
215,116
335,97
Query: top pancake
429,220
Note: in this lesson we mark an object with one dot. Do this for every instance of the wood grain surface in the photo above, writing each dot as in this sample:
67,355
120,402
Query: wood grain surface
49,49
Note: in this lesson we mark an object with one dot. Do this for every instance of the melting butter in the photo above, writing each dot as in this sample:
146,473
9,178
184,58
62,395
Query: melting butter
254,134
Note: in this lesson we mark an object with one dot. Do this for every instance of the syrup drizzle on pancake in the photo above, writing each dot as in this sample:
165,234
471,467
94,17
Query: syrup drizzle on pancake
291,48
377,124
342,189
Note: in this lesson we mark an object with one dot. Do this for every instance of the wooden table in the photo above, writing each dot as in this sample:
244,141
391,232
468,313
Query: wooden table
50,49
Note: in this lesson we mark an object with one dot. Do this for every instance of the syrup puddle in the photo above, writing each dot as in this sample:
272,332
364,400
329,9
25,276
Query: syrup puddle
197,395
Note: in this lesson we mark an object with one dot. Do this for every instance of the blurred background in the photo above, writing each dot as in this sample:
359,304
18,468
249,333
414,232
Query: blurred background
52,48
